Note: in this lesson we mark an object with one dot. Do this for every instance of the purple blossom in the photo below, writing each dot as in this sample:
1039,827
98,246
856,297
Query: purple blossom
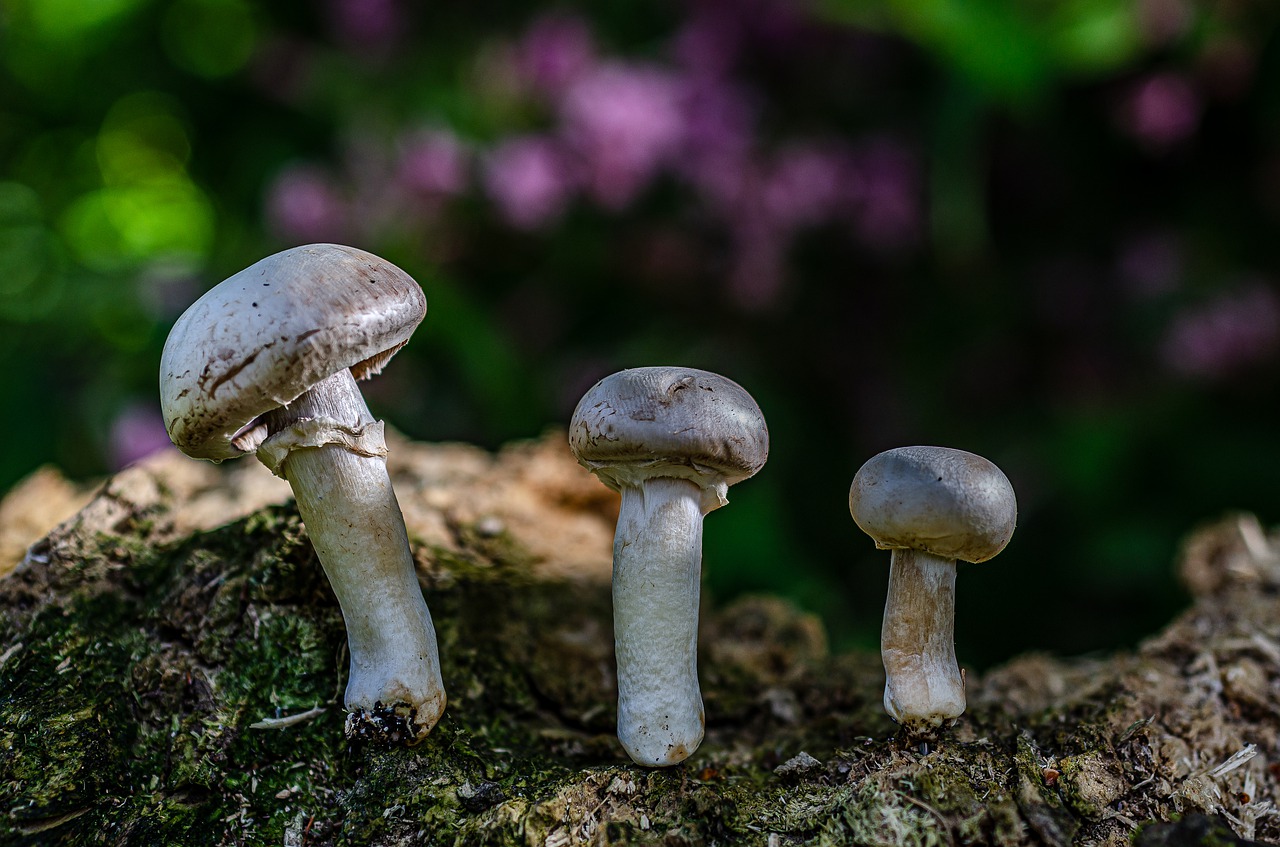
377,202
625,121
366,24
719,137
304,204
709,43
725,182
720,116
530,179
434,162
1214,340
777,26
137,432
804,184
1161,111
555,51
886,190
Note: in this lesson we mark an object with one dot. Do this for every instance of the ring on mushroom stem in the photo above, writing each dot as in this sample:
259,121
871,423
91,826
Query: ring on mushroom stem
930,506
671,441
267,362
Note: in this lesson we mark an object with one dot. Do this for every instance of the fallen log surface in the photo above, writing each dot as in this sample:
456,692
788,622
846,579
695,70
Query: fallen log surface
172,666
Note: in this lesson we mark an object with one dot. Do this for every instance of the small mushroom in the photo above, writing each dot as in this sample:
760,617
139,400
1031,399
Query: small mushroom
930,506
672,441
267,362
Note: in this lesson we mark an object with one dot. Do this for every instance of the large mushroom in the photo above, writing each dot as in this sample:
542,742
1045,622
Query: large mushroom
267,362
930,506
671,440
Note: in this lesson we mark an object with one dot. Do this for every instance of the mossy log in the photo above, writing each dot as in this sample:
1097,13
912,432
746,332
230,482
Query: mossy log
172,666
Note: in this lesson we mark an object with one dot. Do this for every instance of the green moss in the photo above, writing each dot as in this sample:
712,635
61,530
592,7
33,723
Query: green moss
127,713
133,703
129,707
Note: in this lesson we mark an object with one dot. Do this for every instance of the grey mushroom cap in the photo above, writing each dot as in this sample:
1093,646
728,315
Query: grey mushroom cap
669,421
262,337
947,502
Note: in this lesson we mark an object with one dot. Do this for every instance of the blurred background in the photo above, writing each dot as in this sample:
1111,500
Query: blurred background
1043,232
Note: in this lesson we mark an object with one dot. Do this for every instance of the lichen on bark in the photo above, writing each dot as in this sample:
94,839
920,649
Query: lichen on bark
172,666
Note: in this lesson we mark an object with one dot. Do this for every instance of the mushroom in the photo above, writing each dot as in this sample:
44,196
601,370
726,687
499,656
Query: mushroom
671,440
930,506
267,362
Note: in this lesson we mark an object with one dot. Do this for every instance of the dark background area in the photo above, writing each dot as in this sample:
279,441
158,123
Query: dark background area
1045,233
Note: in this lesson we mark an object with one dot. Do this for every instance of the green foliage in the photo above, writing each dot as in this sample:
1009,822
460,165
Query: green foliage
1014,52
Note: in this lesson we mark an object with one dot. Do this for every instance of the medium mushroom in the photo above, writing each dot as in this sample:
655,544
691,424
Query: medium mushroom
930,506
267,362
672,441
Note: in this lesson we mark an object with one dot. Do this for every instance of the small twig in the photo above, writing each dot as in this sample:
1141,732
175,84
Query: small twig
8,654
46,824
1254,538
1237,759
1112,814
288,721
1266,646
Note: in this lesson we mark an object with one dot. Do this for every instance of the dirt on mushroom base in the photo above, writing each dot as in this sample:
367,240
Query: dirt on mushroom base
165,686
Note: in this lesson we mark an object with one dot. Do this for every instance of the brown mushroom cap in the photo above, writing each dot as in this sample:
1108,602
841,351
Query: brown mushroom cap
946,502
671,421
262,337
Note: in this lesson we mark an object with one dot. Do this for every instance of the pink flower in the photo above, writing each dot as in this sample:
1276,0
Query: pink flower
530,180
625,121
434,162
709,43
1161,111
137,432
366,24
804,184
555,51
719,126
304,204
1220,337
887,193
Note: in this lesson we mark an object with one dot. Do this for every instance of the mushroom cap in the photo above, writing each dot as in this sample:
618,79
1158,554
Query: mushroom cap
260,338
946,502
669,421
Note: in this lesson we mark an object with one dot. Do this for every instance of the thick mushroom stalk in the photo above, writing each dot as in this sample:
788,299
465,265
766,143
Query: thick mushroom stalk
671,440
657,570
330,449
931,506
295,330
923,685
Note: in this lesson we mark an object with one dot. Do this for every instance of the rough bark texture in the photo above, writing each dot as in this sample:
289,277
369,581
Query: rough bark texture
171,670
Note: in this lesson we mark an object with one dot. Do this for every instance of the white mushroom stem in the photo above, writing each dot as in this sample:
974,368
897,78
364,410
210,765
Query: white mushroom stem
330,450
923,686
657,570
